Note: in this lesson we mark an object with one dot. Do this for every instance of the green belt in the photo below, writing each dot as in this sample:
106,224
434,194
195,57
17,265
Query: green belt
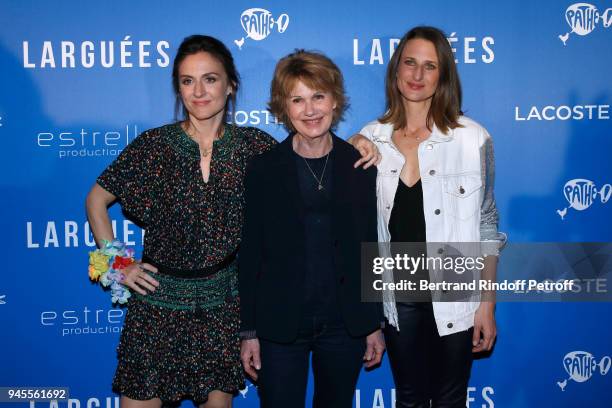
196,294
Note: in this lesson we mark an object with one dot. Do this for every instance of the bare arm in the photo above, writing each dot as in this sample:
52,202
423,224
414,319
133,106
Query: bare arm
97,203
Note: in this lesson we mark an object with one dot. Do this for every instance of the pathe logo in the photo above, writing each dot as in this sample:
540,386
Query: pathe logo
2,299
581,365
583,18
582,193
258,23
244,392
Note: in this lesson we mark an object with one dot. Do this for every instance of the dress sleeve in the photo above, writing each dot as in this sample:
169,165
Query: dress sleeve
489,216
131,176
259,141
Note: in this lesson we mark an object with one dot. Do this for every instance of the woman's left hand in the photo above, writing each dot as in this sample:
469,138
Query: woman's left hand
485,329
375,347
370,156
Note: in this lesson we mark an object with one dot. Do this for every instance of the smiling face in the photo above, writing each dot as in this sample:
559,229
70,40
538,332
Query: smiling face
311,112
203,86
418,71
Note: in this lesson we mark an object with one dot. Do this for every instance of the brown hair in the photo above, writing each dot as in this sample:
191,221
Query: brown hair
202,43
445,106
316,71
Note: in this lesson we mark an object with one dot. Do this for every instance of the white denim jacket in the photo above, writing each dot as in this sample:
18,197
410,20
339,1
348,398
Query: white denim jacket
457,172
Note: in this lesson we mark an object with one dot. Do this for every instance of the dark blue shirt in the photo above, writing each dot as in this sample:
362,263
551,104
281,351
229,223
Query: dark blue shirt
319,289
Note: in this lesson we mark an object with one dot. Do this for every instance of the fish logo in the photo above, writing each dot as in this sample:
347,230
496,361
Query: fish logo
581,365
245,390
583,18
582,193
258,23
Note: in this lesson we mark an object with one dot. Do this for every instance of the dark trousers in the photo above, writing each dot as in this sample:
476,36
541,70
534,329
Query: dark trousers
336,362
425,366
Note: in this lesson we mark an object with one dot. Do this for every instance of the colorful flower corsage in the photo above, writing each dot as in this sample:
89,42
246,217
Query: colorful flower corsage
105,265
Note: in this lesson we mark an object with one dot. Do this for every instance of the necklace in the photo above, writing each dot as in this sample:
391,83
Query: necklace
203,151
417,137
318,180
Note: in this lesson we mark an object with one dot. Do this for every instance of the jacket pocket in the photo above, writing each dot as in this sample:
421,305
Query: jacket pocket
462,194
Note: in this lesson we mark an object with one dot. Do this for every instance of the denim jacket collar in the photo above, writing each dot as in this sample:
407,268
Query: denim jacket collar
383,134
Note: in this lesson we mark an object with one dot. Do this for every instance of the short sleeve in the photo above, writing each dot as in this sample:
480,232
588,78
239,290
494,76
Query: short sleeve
259,141
131,176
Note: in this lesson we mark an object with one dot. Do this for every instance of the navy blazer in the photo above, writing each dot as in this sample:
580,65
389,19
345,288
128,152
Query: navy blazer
271,258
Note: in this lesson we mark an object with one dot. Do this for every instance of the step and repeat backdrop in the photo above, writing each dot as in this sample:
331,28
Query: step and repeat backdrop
80,80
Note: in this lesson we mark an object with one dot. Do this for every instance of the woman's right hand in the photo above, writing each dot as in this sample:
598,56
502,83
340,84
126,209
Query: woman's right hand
137,278
370,155
249,354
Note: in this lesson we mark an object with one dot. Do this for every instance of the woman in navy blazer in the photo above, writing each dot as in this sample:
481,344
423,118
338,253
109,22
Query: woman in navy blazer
308,209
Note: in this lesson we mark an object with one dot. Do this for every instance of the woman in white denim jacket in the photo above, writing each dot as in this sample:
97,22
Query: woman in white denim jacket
425,142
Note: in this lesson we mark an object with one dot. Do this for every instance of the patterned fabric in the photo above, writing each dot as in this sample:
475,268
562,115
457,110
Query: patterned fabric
170,349
193,294
189,224
176,354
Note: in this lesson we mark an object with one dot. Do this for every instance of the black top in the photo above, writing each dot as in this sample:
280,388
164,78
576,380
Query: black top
273,258
407,220
319,289
407,224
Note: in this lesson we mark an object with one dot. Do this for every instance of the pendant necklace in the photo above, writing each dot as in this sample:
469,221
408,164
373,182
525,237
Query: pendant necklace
203,152
318,180
417,138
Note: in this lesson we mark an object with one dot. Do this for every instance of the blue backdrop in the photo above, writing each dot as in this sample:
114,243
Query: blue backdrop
79,81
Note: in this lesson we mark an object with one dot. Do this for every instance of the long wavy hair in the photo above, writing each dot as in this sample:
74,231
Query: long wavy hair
445,106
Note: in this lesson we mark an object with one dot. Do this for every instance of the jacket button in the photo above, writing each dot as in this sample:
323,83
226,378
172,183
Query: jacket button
450,325
394,171
335,243
437,212
461,190
432,172
342,280
440,251
388,207
429,146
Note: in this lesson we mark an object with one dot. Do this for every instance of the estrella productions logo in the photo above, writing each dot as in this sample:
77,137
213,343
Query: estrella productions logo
582,193
258,23
583,18
581,365
83,321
